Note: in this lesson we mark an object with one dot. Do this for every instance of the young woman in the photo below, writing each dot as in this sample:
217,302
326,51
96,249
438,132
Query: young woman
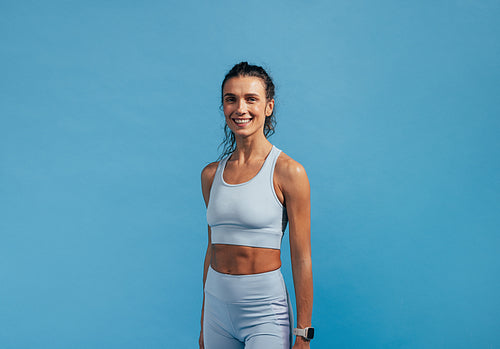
251,195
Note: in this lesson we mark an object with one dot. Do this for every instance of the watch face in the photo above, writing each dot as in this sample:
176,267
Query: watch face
310,333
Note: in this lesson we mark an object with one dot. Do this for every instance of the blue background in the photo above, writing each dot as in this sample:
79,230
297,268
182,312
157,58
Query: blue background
110,110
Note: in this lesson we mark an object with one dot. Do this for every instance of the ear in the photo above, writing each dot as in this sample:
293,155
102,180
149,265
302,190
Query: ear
269,107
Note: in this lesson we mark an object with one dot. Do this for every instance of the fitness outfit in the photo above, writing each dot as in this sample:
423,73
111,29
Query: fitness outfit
247,311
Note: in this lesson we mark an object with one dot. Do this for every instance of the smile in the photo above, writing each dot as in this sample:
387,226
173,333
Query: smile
241,121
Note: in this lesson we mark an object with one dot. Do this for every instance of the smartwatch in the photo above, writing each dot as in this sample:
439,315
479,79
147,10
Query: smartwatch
307,333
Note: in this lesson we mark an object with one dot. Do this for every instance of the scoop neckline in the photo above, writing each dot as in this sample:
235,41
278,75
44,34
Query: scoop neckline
251,179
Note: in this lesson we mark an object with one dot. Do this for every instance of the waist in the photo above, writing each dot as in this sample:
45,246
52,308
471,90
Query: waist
245,288
244,260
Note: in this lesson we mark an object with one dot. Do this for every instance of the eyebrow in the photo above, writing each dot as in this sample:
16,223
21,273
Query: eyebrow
246,95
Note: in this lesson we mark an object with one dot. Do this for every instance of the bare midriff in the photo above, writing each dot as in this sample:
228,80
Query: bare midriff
244,260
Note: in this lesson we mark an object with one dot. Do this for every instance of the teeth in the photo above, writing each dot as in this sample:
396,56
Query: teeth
241,121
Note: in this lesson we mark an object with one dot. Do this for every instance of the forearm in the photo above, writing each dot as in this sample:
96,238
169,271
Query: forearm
303,283
206,264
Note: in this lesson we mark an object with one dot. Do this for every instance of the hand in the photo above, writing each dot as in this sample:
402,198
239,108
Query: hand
200,341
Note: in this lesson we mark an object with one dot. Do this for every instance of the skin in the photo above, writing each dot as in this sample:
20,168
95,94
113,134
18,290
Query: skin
245,98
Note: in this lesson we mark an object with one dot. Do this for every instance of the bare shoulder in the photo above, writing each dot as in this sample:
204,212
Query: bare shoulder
208,172
289,169
207,178
291,175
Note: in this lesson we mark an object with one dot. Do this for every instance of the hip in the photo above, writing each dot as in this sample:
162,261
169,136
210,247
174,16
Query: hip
246,288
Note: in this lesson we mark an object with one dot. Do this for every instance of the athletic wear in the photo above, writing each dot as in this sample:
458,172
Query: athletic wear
247,311
247,214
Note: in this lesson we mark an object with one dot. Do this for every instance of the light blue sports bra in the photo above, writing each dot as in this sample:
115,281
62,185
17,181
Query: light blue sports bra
247,214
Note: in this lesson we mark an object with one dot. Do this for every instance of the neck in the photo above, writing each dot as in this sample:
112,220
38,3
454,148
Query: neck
251,147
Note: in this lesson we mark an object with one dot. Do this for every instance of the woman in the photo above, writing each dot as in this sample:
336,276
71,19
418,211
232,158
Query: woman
250,195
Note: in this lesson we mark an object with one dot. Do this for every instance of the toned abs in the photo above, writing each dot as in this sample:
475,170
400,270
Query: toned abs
244,260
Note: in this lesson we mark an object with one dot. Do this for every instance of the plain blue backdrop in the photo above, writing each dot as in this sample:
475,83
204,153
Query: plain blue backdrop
110,109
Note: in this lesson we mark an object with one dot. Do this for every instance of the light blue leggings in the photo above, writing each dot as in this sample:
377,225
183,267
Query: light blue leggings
246,311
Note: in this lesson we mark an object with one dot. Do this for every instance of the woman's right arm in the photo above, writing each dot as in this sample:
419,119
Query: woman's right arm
205,269
207,177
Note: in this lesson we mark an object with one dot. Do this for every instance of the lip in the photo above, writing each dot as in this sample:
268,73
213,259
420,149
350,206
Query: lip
244,124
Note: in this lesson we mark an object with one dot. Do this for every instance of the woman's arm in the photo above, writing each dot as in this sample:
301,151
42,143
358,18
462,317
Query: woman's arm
206,264
296,192
207,178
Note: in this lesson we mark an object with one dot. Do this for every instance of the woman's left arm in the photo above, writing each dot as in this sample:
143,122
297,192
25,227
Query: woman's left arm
296,192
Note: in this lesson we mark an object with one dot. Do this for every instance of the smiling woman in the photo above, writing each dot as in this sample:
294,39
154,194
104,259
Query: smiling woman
244,70
245,106
251,194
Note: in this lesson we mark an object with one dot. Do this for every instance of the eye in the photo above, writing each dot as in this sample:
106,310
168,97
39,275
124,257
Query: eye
229,99
252,99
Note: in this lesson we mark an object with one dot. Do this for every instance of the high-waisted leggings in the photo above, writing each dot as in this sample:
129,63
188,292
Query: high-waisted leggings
246,311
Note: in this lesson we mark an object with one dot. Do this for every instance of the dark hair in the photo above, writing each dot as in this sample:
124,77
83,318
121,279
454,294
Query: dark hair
245,69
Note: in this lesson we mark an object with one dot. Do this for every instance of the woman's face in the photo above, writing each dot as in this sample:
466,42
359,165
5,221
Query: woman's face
245,105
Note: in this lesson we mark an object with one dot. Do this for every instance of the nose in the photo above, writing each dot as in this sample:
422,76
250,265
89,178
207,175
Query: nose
242,107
